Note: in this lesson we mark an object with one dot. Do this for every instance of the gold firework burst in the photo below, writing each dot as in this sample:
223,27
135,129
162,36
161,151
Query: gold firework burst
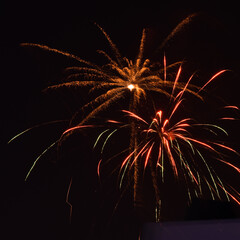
119,76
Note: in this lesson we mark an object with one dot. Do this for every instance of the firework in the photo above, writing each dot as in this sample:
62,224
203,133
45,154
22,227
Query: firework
182,148
118,77
162,142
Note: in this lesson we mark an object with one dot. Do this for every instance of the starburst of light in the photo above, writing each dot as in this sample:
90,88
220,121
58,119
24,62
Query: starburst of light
120,75
172,141
131,87
181,145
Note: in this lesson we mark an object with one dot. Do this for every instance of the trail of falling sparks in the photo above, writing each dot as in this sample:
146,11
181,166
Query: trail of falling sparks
67,200
120,75
173,142
40,156
212,78
140,77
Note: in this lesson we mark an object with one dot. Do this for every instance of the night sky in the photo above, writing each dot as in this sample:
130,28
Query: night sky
37,209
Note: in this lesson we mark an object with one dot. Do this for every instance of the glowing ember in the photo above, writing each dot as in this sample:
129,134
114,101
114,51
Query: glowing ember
131,87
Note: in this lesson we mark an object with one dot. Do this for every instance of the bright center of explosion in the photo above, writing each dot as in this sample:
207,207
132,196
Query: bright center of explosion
131,87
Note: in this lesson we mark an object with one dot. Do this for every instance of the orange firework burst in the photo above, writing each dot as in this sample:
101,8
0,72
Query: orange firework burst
119,76
180,147
165,145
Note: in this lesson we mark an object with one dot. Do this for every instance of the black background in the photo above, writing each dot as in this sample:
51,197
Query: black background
37,209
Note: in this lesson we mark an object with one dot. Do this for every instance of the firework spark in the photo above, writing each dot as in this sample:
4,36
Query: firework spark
164,141
168,142
169,146
121,75
118,76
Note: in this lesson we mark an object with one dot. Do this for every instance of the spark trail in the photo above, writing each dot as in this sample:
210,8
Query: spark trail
118,77
176,147
135,80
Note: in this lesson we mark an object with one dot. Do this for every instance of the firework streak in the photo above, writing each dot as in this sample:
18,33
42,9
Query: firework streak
164,141
175,147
